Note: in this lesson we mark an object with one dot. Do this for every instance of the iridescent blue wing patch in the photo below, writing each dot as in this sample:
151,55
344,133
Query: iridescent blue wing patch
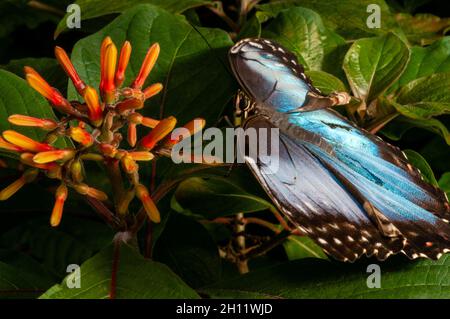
352,193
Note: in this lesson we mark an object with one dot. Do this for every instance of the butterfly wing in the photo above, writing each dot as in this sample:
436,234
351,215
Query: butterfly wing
354,181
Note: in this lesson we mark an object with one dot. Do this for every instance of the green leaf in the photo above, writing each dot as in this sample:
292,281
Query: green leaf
16,283
326,82
188,249
48,68
299,247
422,28
136,278
427,61
17,97
301,31
74,241
96,8
315,278
395,129
346,17
373,64
425,97
191,66
216,197
444,183
419,162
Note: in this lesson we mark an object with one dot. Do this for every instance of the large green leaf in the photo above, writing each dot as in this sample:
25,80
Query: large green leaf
74,241
373,64
17,97
444,183
316,278
426,61
419,162
191,65
216,197
326,82
395,129
137,278
425,97
422,28
301,31
16,283
96,8
347,17
299,247
49,68
188,249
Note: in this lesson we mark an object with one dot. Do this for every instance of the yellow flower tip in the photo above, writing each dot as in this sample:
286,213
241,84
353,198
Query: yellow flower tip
152,90
23,120
25,142
149,206
80,135
132,134
68,67
109,63
93,104
164,127
10,147
60,198
50,93
12,188
84,189
124,58
52,156
27,159
147,66
76,169
129,165
141,156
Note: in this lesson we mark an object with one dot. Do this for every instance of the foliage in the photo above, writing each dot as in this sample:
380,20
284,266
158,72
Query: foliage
399,79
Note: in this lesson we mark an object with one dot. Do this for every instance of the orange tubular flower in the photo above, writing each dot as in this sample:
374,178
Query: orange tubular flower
106,41
194,126
130,104
125,53
147,66
68,67
15,186
60,198
81,136
132,136
94,109
51,156
161,130
129,165
141,156
147,202
23,120
152,90
50,93
109,63
10,147
25,142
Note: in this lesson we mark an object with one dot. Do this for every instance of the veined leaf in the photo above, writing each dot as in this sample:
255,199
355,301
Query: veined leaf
419,162
137,278
373,64
326,82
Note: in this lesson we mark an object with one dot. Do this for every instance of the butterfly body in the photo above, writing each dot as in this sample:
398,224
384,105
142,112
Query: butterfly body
347,189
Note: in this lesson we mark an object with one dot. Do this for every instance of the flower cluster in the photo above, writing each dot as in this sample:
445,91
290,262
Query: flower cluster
95,128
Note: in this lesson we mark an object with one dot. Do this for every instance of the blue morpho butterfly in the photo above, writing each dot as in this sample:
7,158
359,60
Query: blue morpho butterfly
348,190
